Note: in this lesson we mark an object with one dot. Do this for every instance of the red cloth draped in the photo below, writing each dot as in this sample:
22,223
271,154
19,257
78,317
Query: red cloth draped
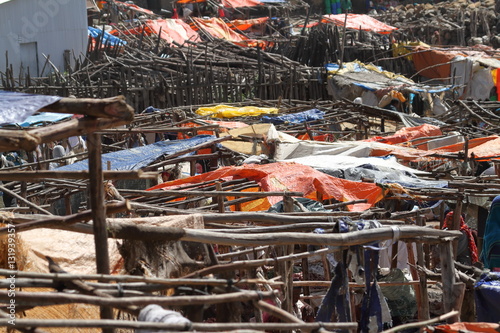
448,221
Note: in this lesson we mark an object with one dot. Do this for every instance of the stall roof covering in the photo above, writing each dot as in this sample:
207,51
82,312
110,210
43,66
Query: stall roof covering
17,107
406,134
134,7
106,37
229,3
373,78
294,118
289,147
246,24
384,170
285,176
174,30
241,3
344,162
44,118
358,22
484,148
137,158
218,28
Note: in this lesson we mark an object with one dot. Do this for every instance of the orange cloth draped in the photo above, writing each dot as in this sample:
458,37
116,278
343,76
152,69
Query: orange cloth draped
286,176
359,21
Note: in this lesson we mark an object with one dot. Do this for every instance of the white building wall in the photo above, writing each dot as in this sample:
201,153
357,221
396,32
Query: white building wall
48,26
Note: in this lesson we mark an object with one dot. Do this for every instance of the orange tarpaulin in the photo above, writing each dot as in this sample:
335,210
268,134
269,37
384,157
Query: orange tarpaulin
219,29
407,134
465,327
246,24
425,61
174,30
133,31
404,153
135,7
484,148
359,21
229,3
283,176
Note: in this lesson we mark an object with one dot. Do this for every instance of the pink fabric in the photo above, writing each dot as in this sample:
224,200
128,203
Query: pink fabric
174,30
359,21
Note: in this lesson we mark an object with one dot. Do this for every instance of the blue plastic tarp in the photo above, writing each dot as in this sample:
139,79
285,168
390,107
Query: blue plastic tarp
357,68
137,158
294,118
44,118
487,293
17,107
108,38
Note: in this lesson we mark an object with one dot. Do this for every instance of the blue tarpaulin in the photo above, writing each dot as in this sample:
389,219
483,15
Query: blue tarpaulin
17,107
108,38
487,293
44,118
137,158
294,118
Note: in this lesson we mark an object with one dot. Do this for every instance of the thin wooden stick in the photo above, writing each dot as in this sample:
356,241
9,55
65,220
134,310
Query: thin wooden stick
257,262
27,202
84,174
112,208
203,327
47,298
132,278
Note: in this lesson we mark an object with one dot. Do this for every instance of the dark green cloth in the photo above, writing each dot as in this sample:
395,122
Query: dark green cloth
490,254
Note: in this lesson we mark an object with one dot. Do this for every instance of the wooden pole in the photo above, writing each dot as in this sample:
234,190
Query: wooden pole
457,213
448,278
423,307
96,190
112,107
220,198
205,327
342,47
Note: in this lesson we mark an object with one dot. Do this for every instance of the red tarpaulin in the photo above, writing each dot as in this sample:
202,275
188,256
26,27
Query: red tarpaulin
229,3
408,134
174,30
359,21
246,24
132,31
217,28
484,148
286,176
240,3
135,7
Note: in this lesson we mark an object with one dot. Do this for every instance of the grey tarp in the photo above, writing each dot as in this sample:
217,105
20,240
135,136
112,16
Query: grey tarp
16,107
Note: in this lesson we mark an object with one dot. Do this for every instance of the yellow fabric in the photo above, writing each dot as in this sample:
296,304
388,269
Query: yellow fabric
351,67
399,49
226,111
